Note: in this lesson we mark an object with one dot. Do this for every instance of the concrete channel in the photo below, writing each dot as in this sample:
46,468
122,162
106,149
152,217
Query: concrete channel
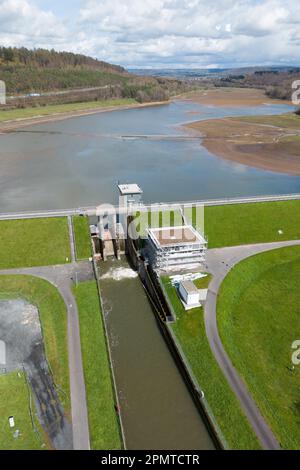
157,409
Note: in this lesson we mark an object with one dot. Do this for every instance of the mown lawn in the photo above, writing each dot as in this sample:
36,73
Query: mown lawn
241,224
34,242
189,329
258,319
53,317
62,108
15,402
82,237
234,224
286,121
203,282
103,420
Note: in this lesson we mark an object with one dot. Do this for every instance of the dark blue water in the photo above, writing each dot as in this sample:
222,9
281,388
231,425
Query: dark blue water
78,161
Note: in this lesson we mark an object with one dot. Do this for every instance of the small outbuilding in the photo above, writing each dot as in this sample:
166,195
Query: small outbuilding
189,294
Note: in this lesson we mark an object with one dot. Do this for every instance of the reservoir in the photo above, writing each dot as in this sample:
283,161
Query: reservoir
78,161
156,407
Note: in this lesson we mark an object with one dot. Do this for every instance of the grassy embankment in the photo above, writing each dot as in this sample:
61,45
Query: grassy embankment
241,224
15,402
190,331
285,121
82,237
103,421
258,319
230,225
34,242
49,110
53,317
237,224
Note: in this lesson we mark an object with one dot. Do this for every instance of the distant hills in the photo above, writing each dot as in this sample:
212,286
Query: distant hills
40,71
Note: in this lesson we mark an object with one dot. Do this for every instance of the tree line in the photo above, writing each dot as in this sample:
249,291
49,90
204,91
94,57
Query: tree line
43,58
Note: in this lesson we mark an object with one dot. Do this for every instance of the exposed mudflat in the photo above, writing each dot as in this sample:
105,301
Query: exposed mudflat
233,97
268,144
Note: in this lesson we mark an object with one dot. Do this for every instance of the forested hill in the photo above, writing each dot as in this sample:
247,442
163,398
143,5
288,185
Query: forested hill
39,71
43,58
26,70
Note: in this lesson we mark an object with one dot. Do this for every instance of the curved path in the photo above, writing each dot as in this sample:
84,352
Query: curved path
62,278
219,262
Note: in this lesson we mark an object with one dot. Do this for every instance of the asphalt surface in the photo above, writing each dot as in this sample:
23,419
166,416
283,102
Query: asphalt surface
109,209
63,277
219,262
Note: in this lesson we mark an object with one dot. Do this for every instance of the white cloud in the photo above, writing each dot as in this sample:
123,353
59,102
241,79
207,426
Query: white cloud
171,32
22,24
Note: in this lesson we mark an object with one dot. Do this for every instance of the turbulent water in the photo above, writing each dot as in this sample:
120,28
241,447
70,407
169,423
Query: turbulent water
118,274
156,407
77,162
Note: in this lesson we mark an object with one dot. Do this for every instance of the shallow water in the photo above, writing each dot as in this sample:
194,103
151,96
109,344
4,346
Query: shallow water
77,162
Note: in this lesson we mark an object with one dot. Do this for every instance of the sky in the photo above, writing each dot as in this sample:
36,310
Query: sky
159,33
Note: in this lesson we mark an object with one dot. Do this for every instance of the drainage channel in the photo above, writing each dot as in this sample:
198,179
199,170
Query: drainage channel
156,407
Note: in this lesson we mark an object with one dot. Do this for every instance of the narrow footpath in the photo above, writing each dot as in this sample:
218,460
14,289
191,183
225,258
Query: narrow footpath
61,277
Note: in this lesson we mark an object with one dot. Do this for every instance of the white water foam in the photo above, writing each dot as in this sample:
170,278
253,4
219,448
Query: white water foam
118,274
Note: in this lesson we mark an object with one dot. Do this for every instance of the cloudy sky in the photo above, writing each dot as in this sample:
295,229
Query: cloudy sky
159,33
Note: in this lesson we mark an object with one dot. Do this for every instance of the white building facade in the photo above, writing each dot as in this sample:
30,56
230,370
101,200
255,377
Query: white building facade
175,248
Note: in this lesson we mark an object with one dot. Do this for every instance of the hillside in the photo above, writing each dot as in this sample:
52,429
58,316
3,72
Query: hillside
64,77
275,81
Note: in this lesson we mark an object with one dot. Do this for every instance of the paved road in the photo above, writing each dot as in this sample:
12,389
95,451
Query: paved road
104,208
61,277
72,239
219,263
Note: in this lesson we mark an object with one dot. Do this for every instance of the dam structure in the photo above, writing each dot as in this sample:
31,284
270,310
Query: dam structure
122,280
173,248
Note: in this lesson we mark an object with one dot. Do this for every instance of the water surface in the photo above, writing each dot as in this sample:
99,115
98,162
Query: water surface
77,162
157,409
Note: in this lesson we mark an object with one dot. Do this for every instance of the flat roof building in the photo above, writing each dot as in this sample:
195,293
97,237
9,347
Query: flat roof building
127,189
174,248
130,195
190,296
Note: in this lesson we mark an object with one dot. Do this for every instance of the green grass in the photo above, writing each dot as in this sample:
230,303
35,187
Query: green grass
53,317
258,319
286,121
15,402
203,282
103,421
33,242
241,224
190,331
82,237
27,113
